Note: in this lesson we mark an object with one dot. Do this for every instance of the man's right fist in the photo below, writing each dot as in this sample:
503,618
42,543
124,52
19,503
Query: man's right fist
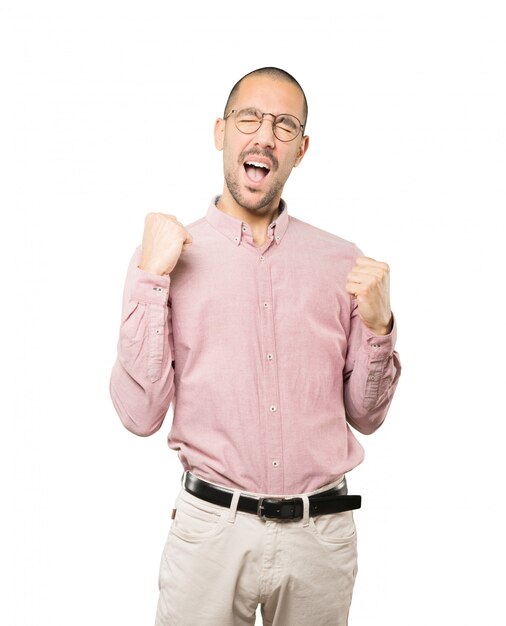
162,243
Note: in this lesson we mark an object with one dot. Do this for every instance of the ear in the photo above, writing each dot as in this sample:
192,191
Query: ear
303,146
219,133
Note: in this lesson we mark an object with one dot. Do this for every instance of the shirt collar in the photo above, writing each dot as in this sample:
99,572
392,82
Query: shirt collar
232,227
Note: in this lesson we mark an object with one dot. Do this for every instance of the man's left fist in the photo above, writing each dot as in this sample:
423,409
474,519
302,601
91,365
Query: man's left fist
369,282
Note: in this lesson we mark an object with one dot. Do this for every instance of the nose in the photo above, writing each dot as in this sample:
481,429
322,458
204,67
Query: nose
265,134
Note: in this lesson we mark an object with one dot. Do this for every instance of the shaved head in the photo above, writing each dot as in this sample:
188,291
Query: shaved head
272,72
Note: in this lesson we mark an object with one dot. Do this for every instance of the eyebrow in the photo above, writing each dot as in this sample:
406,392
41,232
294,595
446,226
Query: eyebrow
250,110
255,110
288,119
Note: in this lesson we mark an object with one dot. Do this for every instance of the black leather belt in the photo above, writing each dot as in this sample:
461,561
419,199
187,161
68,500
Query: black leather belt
334,500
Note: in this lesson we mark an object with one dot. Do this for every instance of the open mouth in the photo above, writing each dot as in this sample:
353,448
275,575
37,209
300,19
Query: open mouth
256,171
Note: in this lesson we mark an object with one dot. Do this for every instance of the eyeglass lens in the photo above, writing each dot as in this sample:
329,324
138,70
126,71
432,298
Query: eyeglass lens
286,127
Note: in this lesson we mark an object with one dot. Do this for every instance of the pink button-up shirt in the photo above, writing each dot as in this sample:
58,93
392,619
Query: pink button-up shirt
261,352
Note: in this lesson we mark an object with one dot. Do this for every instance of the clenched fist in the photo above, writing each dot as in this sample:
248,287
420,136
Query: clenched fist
369,282
162,243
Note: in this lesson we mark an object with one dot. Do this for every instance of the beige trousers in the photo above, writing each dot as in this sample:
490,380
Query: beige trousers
218,564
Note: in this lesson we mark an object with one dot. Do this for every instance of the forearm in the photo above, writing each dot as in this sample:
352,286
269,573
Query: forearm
369,387
142,378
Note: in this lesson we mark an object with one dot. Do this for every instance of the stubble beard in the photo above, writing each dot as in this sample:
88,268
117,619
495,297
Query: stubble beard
264,200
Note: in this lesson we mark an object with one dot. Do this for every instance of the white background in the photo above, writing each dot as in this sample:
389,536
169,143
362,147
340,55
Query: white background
106,113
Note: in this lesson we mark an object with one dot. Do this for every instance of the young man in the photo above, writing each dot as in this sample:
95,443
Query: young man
270,337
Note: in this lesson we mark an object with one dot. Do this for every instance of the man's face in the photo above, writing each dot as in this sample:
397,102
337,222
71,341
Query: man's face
251,187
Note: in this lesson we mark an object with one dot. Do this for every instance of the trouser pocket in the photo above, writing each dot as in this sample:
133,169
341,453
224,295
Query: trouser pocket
195,519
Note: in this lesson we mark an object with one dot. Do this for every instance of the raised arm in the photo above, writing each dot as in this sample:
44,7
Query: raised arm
373,367
142,378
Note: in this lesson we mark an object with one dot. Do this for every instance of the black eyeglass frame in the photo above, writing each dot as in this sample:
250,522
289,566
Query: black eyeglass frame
301,125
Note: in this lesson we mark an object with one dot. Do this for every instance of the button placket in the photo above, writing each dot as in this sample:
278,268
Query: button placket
270,396
374,377
156,317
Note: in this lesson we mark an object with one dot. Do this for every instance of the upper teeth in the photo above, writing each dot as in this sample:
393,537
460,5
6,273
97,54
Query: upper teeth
256,164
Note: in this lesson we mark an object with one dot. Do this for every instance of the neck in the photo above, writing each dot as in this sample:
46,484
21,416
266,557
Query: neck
258,218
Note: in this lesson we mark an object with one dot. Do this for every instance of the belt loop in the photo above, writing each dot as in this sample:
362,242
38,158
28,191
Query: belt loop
183,478
305,517
233,506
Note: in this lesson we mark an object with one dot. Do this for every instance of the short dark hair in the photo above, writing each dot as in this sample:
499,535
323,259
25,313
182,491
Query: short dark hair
273,72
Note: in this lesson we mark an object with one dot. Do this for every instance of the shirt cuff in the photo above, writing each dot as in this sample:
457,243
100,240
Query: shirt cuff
149,288
380,346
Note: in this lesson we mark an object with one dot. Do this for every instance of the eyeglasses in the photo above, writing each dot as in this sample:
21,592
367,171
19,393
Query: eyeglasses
285,127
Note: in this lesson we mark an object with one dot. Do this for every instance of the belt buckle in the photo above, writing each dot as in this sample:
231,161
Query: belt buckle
285,508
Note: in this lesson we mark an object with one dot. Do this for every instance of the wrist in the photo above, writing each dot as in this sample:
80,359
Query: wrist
384,329
151,269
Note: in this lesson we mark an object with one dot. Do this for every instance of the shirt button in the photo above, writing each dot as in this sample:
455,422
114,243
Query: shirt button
266,305
375,345
269,356
273,408
236,238
278,237
157,288
372,377
275,463
158,331
262,258
244,228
